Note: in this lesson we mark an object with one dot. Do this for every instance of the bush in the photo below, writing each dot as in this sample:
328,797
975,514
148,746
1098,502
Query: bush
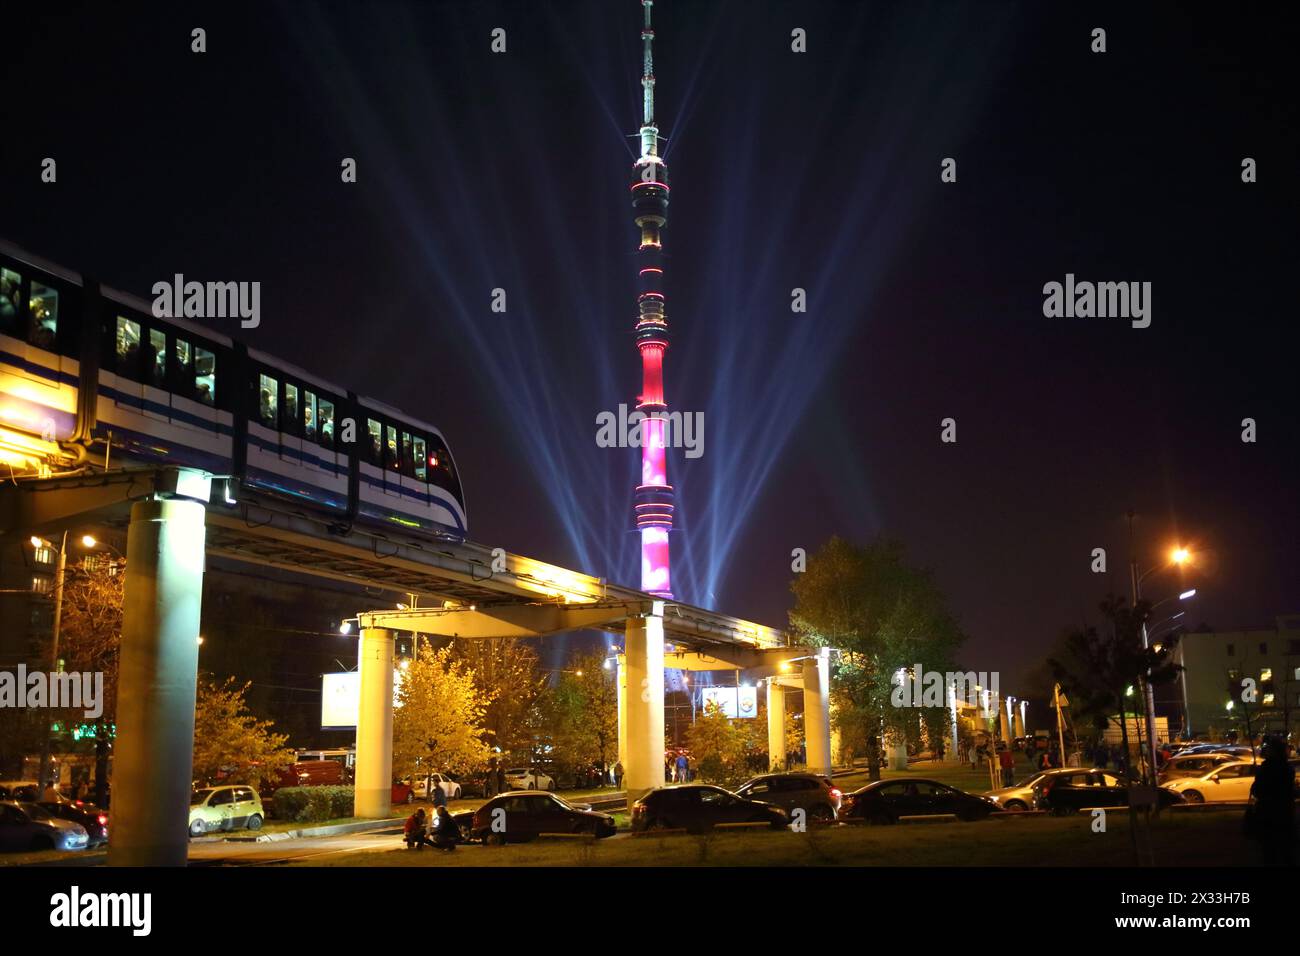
311,804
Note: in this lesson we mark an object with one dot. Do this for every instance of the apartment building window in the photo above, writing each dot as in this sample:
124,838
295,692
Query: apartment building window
1268,700
43,555
41,583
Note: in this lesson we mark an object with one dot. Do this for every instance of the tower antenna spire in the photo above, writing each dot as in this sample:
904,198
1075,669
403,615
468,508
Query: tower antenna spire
648,68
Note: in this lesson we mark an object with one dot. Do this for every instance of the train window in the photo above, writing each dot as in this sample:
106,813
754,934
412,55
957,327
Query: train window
325,412
406,454
205,376
184,367
128,347
11,300
290,408
268,390
420,456
309,414
376,442
44,316
391,458
156,359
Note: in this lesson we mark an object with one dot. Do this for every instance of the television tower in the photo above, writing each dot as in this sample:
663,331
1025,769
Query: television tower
654,496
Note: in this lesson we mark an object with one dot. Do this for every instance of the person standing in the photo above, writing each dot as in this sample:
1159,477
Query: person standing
1007,761
490,779
1272,818
501,779
681,768
618,775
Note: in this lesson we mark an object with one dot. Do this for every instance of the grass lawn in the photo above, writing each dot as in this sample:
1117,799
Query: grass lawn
1194,839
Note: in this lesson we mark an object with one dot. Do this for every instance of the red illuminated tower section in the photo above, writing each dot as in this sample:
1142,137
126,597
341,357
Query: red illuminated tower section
654,496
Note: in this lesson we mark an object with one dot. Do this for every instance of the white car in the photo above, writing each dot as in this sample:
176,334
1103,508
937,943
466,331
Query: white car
420,786
1229,783
521,778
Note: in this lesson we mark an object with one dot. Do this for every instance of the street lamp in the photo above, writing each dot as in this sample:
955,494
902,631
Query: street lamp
1179,555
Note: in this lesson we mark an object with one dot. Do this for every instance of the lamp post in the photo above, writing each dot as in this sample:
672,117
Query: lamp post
1178,557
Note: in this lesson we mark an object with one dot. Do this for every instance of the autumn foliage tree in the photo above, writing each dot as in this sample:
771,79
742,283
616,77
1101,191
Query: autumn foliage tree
90,639
508,681
231,744
438,720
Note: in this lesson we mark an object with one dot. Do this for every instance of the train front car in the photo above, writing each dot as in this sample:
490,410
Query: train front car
408,478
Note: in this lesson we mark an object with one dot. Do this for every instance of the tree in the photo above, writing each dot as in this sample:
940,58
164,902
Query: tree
230,741
438,720
1096,668
883,615
580,714
90,639
718,745
505,673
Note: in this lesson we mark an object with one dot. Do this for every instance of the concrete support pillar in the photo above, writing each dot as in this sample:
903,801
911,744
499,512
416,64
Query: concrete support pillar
622,710
1020,719
644,650
817,711
1008,720
153,757
373,779
775,726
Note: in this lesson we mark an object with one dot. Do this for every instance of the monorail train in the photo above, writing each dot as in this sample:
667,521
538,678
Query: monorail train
89,377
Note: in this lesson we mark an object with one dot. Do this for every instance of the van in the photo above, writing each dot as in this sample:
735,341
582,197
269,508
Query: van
311,773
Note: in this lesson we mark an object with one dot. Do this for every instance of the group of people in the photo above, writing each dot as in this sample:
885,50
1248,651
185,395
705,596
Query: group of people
438,831
681,768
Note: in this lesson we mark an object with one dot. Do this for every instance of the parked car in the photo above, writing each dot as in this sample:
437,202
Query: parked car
886,800
522,778
519,816
1071,793
814,794
1194,765
26,826
225,808
90,817
420,785
698,808
1226,783
473,784
23,790
403,792
1020,796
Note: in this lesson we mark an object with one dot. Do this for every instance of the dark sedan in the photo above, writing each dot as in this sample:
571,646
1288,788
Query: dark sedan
886,800
523,815
698,808
92,819
1084,791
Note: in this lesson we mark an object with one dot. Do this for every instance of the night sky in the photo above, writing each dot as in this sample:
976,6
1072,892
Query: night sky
817,170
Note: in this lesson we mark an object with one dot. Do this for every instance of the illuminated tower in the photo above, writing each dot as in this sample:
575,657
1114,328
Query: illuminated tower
654,496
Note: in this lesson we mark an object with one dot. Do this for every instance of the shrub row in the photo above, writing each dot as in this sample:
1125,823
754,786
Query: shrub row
311,804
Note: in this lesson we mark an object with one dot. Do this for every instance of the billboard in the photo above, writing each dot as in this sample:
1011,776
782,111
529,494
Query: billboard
340,699
733,701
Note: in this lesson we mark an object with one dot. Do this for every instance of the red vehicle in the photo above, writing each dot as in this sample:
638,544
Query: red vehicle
403,792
